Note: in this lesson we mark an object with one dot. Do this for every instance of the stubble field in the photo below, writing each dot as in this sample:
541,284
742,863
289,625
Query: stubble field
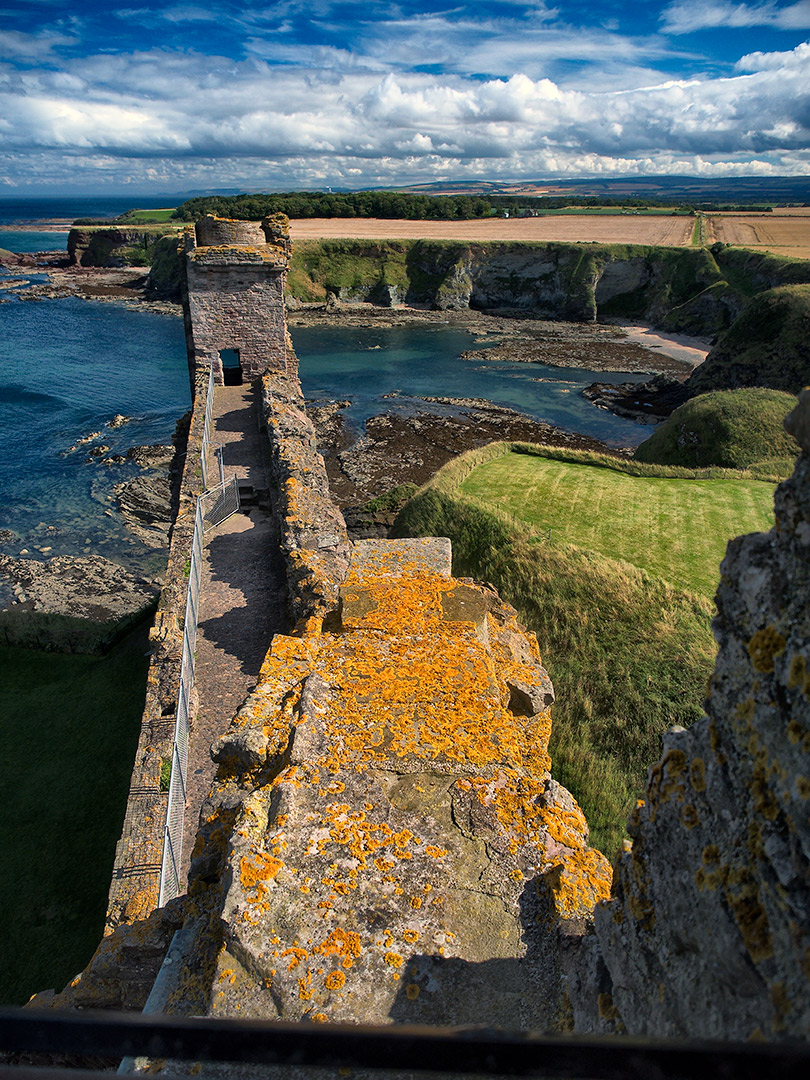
663,230
785,231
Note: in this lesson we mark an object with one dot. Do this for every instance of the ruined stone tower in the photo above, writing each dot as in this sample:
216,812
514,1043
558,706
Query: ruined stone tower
234,302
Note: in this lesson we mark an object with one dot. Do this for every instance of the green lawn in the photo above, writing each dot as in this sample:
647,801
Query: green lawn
70,729
675,528
148,216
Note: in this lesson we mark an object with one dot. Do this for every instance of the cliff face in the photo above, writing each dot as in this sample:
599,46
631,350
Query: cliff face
769,345
707,933
118,246
681,289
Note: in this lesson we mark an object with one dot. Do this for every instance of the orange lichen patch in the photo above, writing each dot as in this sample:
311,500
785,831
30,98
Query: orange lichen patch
412,991
345,944
393,959
261,868
410,936
666,781
763,647
580,882
435,852
408,682
741,891
516,800
697,774
297,956
799,676
335,980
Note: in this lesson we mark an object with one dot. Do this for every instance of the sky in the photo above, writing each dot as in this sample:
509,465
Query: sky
298,94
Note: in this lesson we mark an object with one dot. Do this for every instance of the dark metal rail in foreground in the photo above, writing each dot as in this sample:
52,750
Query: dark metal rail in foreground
475,1051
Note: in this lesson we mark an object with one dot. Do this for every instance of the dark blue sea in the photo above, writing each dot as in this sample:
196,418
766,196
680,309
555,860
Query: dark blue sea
68,366
25,211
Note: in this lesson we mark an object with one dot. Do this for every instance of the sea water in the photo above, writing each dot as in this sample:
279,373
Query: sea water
67,367
416,361
33,210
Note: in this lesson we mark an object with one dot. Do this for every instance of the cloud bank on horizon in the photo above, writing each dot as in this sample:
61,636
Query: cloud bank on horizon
312,93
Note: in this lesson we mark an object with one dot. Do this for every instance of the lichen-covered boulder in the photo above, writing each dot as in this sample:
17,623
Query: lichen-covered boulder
385,842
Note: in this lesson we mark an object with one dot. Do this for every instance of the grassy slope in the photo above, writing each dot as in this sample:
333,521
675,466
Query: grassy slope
675,528
768,345
70,729
737,429
629,655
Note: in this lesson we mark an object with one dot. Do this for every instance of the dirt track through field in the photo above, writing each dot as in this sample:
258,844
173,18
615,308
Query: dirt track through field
663,230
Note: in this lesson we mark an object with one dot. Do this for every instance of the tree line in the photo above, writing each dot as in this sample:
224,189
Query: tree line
402,205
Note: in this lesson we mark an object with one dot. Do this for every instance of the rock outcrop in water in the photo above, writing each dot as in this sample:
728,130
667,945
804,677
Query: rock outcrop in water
70,604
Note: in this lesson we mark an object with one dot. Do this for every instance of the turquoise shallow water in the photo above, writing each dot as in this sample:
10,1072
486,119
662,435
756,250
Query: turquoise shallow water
422,361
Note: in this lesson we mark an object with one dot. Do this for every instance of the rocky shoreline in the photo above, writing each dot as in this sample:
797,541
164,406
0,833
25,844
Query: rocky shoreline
407,447
403,445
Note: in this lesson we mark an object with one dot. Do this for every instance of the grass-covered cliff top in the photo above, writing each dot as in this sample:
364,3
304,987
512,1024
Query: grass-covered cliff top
628,651
768,345
735,429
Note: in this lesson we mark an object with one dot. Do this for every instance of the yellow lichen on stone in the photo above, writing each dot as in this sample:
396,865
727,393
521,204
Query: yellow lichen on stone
580,882
763,647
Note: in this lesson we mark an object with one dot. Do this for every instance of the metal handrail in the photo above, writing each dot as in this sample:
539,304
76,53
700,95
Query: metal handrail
481,1051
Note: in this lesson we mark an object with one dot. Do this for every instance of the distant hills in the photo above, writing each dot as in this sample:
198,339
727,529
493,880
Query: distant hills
782,189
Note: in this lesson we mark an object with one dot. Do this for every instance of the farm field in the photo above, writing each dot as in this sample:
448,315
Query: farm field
654,229
676,529
784,232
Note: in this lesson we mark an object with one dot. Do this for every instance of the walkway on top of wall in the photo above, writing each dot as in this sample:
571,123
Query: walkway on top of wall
242,596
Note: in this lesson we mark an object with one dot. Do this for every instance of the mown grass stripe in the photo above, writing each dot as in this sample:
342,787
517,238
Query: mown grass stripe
675,528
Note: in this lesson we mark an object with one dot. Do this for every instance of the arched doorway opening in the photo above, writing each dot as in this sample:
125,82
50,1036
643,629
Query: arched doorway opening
231,367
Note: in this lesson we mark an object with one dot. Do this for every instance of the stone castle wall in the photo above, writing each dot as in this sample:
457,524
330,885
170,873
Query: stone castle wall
213,232
234,299
383,840
136,871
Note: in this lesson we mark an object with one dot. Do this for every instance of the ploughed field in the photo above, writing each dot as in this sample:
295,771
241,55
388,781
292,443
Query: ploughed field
655,229
674,528
785,231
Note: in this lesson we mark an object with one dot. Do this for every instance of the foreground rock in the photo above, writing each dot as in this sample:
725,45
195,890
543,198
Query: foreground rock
73,605
384,841
707,934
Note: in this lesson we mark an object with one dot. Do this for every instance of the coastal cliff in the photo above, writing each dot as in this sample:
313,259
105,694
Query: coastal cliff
107,246
692,290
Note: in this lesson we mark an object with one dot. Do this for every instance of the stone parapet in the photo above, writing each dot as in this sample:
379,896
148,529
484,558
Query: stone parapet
383,841
136,871
313,532
241,255
212,231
